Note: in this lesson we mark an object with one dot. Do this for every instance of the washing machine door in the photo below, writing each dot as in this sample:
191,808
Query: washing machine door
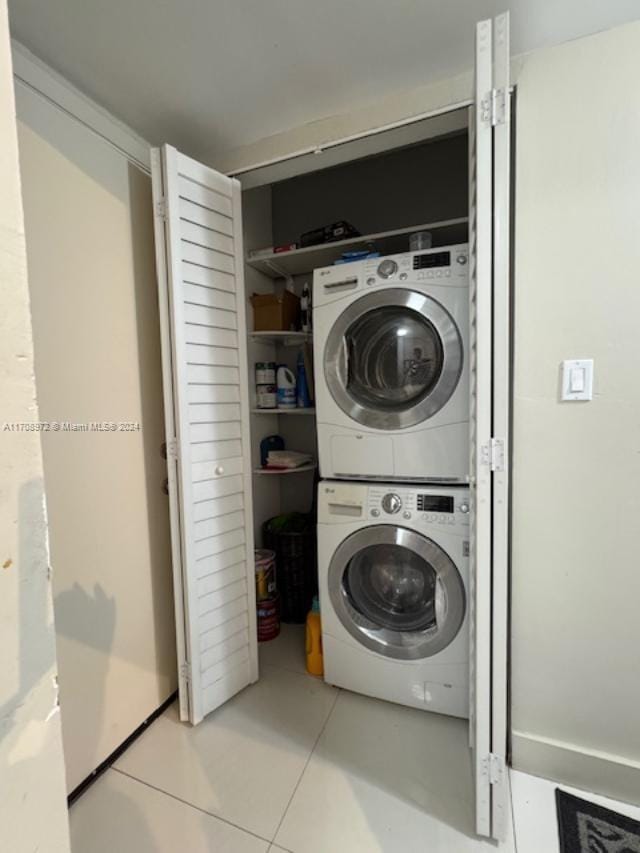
393,359
397,592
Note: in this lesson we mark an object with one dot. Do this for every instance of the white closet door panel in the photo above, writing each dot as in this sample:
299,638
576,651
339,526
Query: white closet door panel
206,510
201,315
203,413
501,423
212,452
223,543
223,632
227,685
211,472
212,297
198,334
217,580
198,354
191,212
218,619
205,237
219,671
196,193
194,274
222,650
215,600
206,433
204,490
481,215
207,546
222,561
213,374
489,367
209,392
207,257
201,237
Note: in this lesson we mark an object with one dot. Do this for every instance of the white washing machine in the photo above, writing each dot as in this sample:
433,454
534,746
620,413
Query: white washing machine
391,367
393,569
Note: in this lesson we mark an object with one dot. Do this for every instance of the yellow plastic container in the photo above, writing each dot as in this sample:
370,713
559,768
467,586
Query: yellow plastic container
313,641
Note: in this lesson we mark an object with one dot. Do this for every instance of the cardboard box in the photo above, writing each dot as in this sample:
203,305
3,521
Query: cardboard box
276,313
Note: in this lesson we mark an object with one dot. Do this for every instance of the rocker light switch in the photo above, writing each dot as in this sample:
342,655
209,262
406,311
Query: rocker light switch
577,379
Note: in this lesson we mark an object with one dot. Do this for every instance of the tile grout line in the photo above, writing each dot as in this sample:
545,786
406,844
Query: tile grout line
191,805
306,764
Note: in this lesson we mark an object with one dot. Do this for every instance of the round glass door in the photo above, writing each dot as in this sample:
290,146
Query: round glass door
393,359
396,592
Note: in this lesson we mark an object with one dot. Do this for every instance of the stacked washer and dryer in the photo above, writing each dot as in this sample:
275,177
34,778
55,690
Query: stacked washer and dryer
392,406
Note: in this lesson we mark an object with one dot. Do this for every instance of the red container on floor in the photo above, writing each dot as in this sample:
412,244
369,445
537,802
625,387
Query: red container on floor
268,618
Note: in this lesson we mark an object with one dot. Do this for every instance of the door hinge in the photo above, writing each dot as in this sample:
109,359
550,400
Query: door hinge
172,448
185,671
493,107
498,106
161,209
495,768
492,454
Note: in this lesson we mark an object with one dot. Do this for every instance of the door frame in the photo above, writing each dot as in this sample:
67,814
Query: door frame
496,449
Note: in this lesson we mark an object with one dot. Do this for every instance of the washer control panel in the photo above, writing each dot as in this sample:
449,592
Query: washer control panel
420,505
342,502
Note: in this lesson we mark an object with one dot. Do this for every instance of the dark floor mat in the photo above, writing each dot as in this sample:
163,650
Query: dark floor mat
585,827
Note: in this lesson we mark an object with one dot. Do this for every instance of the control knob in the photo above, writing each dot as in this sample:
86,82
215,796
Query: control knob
391,503
464,507
387,268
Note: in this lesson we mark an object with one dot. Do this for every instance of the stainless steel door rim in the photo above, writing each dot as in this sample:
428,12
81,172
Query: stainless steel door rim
336,357
449,604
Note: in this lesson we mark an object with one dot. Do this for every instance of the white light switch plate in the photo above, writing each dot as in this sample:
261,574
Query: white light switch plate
577,379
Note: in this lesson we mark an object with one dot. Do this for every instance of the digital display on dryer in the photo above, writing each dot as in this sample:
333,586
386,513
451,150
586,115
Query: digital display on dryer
432,259
435,503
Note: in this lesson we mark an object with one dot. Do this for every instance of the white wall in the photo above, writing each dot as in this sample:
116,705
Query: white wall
576,582
33,813
89,228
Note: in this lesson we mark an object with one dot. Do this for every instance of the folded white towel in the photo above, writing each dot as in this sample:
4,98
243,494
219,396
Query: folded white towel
288,459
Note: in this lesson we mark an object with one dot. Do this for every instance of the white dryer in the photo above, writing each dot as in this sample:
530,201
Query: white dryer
393,569
392,367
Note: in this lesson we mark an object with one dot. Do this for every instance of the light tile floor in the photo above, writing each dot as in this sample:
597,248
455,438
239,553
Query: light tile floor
291,764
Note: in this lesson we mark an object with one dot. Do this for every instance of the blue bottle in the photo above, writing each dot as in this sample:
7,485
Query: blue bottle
302,388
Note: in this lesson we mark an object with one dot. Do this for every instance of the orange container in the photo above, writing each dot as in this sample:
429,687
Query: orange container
313,641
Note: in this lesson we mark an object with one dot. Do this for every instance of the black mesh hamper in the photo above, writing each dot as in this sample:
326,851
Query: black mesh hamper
293,537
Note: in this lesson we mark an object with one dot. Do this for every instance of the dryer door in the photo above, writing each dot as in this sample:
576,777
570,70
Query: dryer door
396,592
393,359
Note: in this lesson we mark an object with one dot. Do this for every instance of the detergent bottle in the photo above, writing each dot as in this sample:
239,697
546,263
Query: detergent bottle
286,388
313,640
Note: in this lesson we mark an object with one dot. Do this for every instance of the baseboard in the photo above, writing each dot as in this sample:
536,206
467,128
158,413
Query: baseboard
590,770
117,752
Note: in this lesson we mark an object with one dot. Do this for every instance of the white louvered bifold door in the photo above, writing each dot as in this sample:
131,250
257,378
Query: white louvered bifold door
199,256
489,418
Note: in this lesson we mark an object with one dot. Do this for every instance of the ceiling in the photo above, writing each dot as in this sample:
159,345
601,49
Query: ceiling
209,76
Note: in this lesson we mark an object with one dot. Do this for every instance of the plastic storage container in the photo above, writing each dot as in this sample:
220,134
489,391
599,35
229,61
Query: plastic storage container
265,569
420,240
268,619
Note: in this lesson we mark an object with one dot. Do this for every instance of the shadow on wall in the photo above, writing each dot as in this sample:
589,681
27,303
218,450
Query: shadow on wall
153,435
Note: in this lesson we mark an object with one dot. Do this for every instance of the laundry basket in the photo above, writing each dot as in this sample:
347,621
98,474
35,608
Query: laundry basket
292,536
